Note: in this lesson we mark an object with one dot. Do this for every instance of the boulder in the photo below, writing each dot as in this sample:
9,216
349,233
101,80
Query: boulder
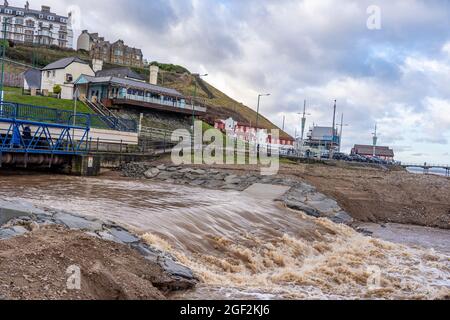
78,223
152,173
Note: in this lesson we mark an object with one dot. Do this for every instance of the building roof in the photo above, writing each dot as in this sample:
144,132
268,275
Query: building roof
123,72
130,83
322,133
33,78
368,150
31,12
63,63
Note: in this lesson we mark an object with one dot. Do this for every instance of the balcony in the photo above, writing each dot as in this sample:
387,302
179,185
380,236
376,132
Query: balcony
158,104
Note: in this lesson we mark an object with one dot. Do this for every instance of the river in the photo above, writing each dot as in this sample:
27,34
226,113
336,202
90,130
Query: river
246,247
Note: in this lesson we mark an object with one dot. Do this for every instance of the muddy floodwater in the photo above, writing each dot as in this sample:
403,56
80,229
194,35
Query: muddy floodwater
242,246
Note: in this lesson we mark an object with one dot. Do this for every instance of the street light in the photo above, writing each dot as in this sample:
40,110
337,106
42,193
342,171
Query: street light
257,111
342,125
3,59
195,75
303,124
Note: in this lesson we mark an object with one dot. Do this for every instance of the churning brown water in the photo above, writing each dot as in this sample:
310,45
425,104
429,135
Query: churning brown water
242,247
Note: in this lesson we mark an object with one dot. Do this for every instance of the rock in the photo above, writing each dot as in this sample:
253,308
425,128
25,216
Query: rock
296,205
186,170
11,210
214,184
107,236
172,169
232,179
78,223
197,182
8,233
161,167
165,175
148,253
342,217
175,269
198,171
152,173
123,235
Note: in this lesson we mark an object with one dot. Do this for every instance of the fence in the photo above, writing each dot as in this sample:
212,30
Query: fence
57,116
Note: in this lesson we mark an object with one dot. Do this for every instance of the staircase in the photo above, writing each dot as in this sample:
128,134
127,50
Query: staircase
111,119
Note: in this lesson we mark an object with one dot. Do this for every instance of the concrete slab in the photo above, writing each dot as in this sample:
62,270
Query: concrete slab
266,191
11,210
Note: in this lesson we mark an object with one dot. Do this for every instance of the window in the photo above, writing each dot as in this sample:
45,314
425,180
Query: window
53,73
48,74
19,21
30,23
41,16
8,11
19,13
69,77
63,20
51,18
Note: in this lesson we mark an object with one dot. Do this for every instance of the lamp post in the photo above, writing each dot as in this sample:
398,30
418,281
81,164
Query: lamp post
333,128
342,125
303,124
194,97
257,117
257,110
375,141
3,60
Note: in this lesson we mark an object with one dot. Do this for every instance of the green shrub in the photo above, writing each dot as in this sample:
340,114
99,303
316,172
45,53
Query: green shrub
57,89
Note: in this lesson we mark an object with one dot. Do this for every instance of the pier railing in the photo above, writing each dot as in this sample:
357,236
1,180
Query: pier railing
19,111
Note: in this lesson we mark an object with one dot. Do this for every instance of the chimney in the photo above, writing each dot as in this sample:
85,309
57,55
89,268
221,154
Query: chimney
45,9
97,65
154,70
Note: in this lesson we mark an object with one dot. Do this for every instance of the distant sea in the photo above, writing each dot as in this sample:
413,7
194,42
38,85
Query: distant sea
435,171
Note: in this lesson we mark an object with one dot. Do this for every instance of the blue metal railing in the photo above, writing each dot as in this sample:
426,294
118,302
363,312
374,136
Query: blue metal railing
19,111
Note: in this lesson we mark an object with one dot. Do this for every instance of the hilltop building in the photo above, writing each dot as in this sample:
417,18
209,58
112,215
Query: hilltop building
25,25
384,153
115,53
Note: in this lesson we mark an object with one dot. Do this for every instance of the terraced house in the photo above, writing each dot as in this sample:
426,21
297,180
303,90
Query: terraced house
117,52
25,25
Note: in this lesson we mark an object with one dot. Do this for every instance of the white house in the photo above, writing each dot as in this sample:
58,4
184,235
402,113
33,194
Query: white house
64,73
40,27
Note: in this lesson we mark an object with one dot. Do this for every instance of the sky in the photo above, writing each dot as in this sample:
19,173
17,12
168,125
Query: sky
387,65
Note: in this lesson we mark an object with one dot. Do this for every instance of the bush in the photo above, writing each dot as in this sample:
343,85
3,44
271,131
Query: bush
57,89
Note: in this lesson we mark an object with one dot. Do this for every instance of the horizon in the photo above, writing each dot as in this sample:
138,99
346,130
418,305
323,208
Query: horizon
395,74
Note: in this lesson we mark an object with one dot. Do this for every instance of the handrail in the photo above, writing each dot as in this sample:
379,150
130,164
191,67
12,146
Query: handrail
51,115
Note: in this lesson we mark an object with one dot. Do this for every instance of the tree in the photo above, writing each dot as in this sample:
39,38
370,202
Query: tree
57,89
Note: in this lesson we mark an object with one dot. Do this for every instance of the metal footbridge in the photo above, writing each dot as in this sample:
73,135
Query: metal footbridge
44,136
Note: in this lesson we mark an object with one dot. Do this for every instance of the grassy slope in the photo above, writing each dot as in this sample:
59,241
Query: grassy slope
15,95
171,76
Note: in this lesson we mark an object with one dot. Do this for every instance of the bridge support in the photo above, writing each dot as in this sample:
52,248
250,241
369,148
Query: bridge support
84,165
